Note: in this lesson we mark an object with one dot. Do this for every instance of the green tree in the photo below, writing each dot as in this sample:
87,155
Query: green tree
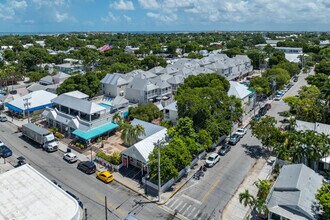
263,188
280,75
323,197
261,85
146,112
266,132
152,61
292,68
257,57
318,80
36,76
323,67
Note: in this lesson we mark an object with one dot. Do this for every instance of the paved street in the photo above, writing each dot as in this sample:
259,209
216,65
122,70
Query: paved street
91,191
207,197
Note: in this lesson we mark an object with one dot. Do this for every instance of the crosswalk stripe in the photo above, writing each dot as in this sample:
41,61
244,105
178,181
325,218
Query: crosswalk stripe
176,200
196,214
178,205
183,207
186,210
192,211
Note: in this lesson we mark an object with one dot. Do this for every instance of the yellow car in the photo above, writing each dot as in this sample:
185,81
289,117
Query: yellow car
105,176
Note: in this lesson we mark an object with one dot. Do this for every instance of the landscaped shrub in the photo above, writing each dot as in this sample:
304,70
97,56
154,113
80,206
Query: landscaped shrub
115,158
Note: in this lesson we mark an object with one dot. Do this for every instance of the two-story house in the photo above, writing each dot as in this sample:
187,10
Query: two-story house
141,91
114,85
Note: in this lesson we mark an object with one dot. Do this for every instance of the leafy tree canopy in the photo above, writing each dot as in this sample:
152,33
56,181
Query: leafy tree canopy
146,112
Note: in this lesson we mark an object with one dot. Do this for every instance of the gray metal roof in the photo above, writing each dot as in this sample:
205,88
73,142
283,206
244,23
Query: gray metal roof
47,80
293,194
142,84
149,128
119,101
36,87
81,105
77,94
114,79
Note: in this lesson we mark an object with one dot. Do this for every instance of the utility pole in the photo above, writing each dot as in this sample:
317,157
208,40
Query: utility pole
231,119
159,182
106,207
27,107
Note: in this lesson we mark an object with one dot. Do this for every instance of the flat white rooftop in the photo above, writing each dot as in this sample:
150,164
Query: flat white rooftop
27,194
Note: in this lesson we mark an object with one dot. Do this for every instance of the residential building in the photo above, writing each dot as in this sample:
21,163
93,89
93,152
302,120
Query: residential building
141,91
290,49
324,43
70,68
131,50
73,114
293,195
114,85
41,43
243,93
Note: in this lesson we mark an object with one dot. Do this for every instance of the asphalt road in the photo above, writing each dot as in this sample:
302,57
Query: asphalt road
91,191
206,198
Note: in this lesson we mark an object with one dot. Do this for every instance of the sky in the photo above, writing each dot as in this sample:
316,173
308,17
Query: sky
164,15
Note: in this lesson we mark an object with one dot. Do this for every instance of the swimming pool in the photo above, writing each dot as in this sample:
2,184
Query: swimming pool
105,105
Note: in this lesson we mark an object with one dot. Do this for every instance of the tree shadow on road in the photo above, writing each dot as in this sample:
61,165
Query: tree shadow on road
256,151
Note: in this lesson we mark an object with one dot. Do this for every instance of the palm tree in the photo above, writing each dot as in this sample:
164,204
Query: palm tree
260,207
246,198
117,119
126,133
138,130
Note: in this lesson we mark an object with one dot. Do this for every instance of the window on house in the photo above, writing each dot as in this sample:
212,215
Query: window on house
274,216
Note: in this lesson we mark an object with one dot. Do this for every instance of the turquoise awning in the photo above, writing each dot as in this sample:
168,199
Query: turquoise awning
86,135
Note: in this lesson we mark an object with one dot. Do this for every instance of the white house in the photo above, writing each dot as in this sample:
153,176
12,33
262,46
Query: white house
114,85
243,93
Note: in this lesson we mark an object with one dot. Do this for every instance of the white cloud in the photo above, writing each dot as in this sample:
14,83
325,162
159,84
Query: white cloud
149,4
29,21
6,13
122,5
127,18
60,17
110,17
18,4
163,17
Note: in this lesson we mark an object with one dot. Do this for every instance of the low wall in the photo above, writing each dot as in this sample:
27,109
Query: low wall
181,173
107,165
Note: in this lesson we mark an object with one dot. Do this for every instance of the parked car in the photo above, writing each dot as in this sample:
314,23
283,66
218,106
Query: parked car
278,97
13,92
3,118
76,198
262,111
70,157
224,149
87,167
295,79
268,106
105,176
212,160
5,151
257,117
241,131
234,139
1,143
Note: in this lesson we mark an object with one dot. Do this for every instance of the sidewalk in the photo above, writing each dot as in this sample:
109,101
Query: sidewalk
138,188
234,210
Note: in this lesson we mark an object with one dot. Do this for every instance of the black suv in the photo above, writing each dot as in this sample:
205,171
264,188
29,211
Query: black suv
87,167
262,111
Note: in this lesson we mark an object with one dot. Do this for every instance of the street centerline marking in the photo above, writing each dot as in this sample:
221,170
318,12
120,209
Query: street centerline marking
210,190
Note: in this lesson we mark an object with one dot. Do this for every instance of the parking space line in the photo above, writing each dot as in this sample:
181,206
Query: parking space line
210,190
178,205
183,207
175,201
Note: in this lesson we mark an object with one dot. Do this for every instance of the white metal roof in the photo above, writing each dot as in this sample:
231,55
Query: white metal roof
318,127
171,107
149,128
27,194
238,90
38,98
77,94
141,150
